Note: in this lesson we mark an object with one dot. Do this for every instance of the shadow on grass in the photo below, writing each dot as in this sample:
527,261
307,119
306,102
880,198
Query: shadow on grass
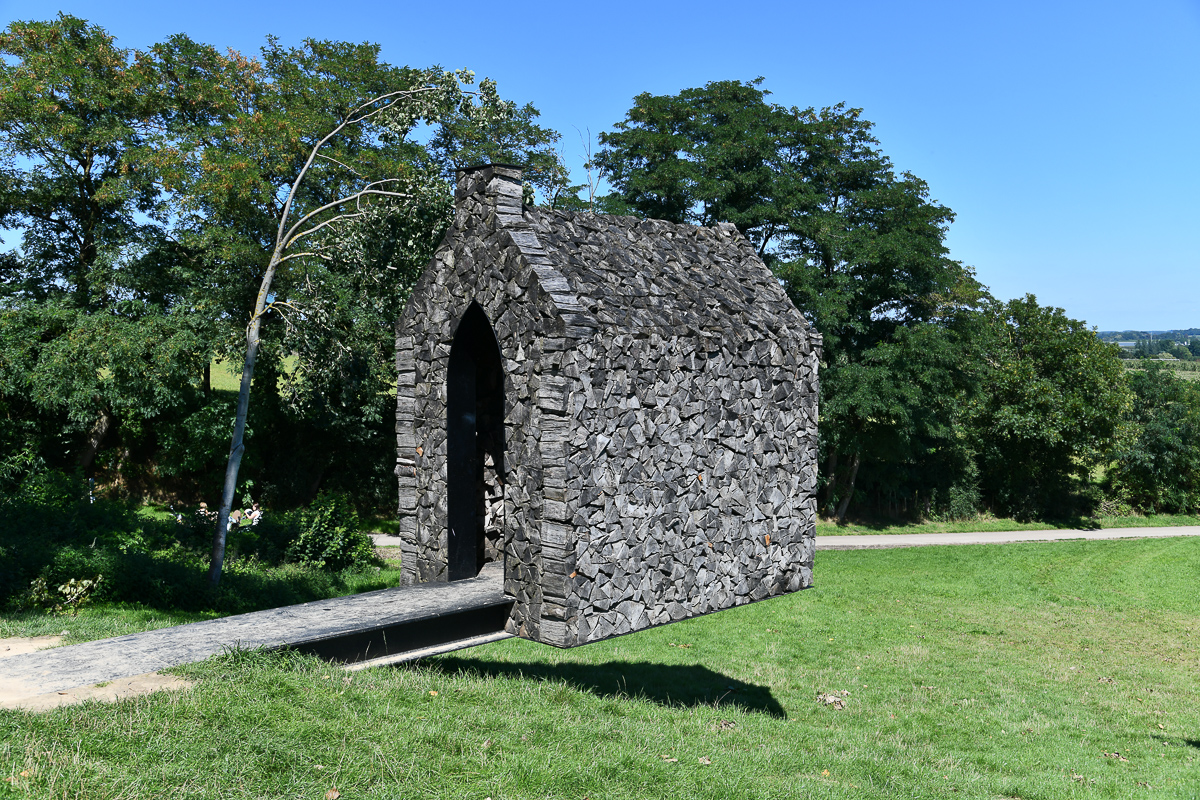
174,582
667,685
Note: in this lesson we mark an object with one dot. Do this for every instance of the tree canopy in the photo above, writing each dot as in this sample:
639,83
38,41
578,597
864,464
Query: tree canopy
71,106
155,190
859,247
1049,407
1157,454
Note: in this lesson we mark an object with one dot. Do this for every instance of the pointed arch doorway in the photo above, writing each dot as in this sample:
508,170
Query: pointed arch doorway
474,447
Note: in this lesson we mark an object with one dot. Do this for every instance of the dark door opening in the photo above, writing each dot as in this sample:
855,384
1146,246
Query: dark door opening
474,446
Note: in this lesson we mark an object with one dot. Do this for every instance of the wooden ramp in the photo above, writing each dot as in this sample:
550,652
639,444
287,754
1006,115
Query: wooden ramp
382,627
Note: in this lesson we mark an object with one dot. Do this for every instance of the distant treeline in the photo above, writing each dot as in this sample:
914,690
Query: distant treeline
1181,335
1168,349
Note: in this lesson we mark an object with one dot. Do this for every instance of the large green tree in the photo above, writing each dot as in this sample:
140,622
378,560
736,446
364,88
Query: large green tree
1051,402
720,153
860,248
90,338
71,105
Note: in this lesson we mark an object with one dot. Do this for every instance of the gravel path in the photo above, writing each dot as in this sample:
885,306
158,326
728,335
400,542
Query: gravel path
877,541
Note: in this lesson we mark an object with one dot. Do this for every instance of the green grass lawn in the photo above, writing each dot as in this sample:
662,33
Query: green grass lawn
227,375
1058,670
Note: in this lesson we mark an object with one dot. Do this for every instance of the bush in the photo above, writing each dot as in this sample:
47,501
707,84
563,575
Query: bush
330,537
1157,463
53,542
962,502
53,489
67,597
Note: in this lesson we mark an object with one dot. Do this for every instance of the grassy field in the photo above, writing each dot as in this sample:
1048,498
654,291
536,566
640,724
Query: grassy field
1188,370
227,375
1032,671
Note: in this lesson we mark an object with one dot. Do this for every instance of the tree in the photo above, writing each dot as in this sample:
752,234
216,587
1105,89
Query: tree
91,343
1157,461
716,154
1052,399
860,248
71,106
872,272
281,169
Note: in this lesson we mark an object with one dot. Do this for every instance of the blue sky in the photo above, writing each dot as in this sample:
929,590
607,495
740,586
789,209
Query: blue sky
1063,135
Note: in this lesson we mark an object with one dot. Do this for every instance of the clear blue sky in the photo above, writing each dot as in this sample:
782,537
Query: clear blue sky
1063,134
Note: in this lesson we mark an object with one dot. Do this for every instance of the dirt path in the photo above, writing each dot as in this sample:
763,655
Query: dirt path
14,694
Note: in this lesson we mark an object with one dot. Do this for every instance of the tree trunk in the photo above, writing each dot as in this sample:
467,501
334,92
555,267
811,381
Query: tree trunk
315,485
830,479
96,438
83,273
237,447
206,384
841,512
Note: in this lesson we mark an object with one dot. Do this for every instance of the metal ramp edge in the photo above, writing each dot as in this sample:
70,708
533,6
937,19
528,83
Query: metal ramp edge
411,639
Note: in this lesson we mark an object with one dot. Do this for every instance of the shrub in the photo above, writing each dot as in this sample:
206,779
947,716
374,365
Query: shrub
55,543
961,502
53,489
330,537
67,597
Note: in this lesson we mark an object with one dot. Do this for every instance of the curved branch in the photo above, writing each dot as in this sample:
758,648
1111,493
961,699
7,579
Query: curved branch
316,252
391,98
339,163
287,239
292,236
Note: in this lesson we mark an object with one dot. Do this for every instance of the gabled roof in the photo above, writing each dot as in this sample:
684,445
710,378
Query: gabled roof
639,274
628,275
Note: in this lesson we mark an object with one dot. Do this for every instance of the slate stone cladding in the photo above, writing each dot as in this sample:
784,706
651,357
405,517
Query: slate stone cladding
660,414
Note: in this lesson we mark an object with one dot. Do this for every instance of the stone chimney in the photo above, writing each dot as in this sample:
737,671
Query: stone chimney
496,185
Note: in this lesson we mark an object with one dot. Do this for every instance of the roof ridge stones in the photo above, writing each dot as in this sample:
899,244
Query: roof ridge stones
502,187
577,270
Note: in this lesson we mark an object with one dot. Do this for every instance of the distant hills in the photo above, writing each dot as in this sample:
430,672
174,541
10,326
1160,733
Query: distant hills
1181,335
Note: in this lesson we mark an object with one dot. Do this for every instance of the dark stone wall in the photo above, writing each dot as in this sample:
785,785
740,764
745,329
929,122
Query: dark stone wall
696,486
652,472
482,259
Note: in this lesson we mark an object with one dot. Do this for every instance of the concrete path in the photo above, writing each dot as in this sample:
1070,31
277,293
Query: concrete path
877,541
61,668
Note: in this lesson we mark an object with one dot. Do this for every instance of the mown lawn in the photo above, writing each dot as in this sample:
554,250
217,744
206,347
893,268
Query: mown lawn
1035,670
